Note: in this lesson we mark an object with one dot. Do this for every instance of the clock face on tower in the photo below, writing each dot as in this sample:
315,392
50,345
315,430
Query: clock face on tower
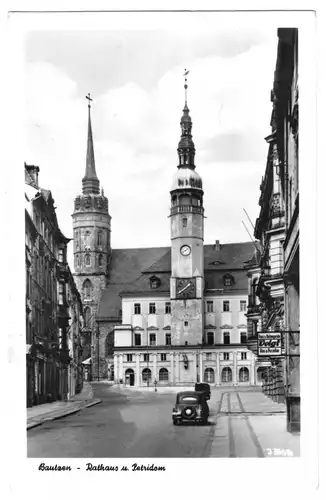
186,288
185,250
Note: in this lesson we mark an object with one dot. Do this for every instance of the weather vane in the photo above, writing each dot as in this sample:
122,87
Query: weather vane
89,99
185,85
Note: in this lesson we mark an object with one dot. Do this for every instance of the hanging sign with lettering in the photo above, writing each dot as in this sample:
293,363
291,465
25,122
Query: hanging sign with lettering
269,343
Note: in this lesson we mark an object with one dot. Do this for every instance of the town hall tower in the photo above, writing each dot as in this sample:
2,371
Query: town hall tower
187,243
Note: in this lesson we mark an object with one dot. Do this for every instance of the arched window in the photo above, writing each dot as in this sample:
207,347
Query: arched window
209,375
100,260
243,374
146,375
226,374
87,288
87,260
87,317
163,375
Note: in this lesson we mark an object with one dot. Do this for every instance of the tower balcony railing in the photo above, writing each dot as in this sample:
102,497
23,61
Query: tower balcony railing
186,209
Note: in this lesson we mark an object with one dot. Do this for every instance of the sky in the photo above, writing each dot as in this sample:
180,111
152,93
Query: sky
135,77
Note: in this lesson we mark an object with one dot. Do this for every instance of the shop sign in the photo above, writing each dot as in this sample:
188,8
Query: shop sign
269,343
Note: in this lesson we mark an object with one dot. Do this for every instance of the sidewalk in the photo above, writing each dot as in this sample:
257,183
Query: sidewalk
250,425
37,415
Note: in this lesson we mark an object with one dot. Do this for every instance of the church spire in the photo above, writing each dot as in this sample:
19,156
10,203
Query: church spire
186,147
90,181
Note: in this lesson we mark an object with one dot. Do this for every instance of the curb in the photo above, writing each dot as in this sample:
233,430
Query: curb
63,415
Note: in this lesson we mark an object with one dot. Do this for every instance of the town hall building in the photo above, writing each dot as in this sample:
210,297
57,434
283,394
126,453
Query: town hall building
168,315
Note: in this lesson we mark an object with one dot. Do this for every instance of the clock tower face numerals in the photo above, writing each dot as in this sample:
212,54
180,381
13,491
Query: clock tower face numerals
186,288
185,250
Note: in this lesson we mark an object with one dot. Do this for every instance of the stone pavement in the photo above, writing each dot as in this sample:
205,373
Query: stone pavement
37,415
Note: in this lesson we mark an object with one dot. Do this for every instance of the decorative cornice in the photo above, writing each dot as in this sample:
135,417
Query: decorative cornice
226,327
242,326
138,328
167,327
210,327
152,328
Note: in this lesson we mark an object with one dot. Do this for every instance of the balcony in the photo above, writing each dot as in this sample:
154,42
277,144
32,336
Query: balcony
187,209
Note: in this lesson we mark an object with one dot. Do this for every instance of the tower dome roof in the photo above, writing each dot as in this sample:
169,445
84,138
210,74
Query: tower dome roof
186,178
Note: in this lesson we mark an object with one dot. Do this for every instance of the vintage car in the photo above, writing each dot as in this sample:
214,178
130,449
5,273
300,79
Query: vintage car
206,388
190,406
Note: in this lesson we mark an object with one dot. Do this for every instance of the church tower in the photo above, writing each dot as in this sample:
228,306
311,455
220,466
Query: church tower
92,242
187,242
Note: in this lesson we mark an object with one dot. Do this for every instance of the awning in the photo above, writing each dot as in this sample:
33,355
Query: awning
87,361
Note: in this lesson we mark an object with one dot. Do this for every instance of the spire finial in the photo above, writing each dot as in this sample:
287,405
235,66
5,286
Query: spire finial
89,100
186,85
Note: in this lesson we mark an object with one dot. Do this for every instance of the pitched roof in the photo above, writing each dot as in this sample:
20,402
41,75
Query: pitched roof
128,263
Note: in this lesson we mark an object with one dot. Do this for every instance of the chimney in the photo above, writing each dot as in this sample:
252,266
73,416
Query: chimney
217,246
32,175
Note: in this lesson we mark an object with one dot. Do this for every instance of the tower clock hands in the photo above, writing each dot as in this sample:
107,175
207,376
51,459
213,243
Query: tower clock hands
184,288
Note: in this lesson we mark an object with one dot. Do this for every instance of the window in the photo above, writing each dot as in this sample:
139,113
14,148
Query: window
243,337
209,375
227,374
226,356
87,317
137,309
129,358
168,339
154,282
210,306
77,261
228,280
226,337
152,339
210,338
243,355
100,238
184,222
87,289
60,338
87,259
243,305
100,260
146,375
186,323
163,357
226,305
152,308
243,374
208,355
146,357
87,237
163,375
60,255
61,293
167,307
137,339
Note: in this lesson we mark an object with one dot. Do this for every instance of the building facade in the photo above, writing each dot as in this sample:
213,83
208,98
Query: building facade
274,277
47,310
